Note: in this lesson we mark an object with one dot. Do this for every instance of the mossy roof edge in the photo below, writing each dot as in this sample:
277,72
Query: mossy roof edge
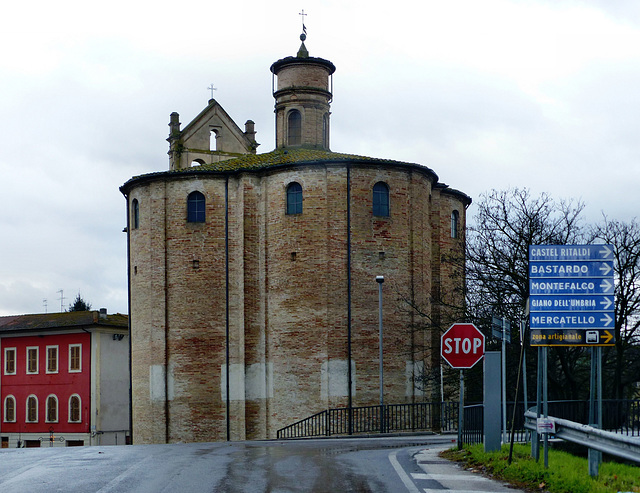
280,158
61,320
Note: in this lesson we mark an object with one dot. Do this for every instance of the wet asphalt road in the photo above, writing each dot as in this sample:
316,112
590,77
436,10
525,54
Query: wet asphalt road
331,465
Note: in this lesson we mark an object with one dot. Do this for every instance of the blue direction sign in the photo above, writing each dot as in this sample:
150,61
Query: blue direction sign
586,303
567,268
570,252
571,286
581,320
571,295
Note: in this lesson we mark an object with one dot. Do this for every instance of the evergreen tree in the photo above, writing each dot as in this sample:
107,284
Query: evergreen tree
79,305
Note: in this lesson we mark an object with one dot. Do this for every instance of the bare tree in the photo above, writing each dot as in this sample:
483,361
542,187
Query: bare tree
622,362
445,307
506,224
495,265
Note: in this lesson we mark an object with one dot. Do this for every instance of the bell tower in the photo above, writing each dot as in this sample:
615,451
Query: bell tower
303,98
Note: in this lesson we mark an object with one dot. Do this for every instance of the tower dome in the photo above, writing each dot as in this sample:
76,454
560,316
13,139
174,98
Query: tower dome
303,97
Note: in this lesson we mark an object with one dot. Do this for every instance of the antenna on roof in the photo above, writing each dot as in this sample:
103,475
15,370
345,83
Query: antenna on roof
44,302
62,298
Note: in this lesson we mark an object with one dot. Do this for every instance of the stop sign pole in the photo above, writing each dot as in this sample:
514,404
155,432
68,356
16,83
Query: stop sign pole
462,346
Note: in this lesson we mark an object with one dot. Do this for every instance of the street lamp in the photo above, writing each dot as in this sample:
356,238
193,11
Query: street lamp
380,280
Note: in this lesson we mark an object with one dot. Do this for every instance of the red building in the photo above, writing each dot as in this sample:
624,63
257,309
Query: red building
64,380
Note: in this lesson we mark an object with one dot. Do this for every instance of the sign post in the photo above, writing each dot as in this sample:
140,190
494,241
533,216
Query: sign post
462,346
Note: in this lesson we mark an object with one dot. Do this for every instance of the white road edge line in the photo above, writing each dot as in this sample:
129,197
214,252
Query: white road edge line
403,475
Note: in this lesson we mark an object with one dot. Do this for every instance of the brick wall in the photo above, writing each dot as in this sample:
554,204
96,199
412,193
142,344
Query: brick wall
287,297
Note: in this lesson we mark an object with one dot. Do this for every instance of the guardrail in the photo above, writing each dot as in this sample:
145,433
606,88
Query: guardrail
608,442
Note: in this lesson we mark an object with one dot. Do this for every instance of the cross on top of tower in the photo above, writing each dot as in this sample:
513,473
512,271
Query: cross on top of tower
303,36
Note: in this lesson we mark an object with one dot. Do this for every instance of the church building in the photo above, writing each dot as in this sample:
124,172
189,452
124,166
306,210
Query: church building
252,277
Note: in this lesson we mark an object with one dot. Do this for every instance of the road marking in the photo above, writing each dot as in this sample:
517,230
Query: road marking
451,490
403,475
448,477
126,475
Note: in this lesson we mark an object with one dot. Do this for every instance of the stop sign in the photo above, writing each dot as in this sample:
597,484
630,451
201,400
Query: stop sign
462,346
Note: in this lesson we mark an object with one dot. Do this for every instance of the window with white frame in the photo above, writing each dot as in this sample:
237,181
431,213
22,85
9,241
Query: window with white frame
10,409
74,408
52,409
32,360
52,359
294,198
10,361
381,199
75,358
196,211
32,409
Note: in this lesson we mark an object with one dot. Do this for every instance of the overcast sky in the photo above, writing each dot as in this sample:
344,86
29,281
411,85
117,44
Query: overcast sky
488,94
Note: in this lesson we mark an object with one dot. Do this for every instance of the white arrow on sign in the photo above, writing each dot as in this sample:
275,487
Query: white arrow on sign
605,269
607,302
605,252
607,319
606,285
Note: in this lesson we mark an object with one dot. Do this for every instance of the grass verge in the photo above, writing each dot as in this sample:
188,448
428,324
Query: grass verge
566,473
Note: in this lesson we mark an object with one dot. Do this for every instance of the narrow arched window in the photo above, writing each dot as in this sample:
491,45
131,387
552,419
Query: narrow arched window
213,140
10,409
455,218
381,199
294,128
294,198
74,408
135,214
32,409
52,409
195,207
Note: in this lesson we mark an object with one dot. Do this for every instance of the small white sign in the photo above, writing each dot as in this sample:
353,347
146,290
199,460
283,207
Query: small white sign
546,425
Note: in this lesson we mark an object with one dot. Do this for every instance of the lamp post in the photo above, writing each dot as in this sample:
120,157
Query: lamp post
380,280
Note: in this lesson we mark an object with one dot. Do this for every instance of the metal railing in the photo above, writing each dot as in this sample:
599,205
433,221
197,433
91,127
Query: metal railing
390,418
621,416
608,442
473,429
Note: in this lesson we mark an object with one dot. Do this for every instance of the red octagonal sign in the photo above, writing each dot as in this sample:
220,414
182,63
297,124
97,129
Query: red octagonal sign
462,346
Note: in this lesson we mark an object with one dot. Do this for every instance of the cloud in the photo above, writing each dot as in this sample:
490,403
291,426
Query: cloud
488,94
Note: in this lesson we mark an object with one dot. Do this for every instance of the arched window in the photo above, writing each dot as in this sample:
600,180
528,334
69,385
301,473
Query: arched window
9,409
32,409
381,199
74,409
455,217
52,409
195,207
213,140
294,128
135,214
294,198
